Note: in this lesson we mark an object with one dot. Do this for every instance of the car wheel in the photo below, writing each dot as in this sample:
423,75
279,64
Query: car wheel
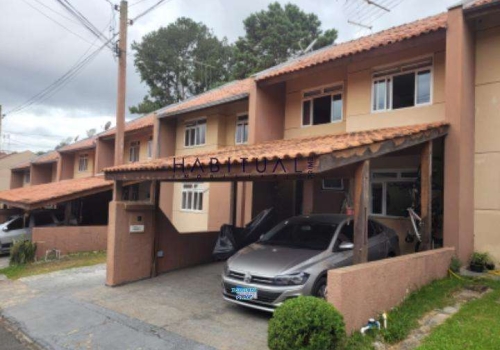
320,289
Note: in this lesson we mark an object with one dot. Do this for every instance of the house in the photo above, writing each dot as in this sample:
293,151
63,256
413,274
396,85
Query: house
358,124
71,178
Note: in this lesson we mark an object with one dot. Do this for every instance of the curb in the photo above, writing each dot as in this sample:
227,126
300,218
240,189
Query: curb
19,334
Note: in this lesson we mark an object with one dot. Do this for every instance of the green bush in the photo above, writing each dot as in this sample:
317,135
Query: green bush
455,264
22,252
306,323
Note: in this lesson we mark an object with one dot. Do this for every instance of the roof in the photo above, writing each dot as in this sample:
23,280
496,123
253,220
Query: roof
226,93
133,125
480,3
337,51
33,197
79,145
49,157
282,149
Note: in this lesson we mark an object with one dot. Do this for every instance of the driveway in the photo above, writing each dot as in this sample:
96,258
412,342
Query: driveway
72,309
4,261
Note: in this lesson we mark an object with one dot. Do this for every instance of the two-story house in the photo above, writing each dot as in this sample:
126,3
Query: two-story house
382,123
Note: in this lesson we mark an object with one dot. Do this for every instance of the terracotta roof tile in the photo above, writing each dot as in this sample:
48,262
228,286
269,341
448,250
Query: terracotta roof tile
226,93
290,148
82,144
22,166
479,3
48,157
383,38
133,125
32,196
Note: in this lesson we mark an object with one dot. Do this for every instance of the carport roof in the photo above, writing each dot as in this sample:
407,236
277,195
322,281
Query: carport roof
346,148
37,196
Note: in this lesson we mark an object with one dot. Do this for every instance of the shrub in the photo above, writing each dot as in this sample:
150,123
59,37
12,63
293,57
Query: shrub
306,323
22,252
480,259
455,264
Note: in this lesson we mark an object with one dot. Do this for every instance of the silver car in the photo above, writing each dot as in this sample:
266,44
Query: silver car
293,258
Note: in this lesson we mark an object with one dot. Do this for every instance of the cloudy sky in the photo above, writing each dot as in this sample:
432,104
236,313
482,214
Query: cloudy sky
35,51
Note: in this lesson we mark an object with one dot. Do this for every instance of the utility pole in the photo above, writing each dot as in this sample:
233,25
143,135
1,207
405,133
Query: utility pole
122,84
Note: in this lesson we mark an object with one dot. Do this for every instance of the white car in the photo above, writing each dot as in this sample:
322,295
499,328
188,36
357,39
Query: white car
21,226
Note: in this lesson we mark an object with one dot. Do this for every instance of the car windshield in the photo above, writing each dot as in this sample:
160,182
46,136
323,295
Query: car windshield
304,234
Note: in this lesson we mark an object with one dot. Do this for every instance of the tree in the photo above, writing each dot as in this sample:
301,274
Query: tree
91,132
179,61
275,35
64,142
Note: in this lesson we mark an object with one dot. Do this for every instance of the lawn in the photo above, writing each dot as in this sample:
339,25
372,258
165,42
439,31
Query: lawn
66,262
475,326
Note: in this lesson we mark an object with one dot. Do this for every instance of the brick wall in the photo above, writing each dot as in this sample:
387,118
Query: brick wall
70,239
363,291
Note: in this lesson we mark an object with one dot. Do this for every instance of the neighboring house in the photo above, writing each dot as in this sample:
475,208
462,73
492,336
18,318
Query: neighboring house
71,177
433,84
9,161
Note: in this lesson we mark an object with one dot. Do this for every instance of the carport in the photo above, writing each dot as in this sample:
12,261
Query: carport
141,239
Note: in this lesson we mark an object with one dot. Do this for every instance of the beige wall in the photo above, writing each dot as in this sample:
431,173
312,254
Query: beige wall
143,138
366,290
90,168
7,163
357,80
487,144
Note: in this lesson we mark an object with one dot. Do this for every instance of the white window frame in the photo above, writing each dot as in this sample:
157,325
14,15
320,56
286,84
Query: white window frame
196,191
150,148
322,94
134,151
83,162
196,128
384,182
241,122
388,104
332,188
27,177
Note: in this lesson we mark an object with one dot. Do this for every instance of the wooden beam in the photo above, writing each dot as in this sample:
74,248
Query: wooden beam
234,203
426,195
361,207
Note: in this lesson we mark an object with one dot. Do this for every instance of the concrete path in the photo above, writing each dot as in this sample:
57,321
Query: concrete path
4,261
9,342
72,309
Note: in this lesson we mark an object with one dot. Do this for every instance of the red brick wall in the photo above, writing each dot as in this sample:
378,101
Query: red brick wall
363,291
70,239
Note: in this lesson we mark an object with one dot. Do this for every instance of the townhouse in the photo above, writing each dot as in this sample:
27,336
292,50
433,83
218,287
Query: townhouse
71,178
373,119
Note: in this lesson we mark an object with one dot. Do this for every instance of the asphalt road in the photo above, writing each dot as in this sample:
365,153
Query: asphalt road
9,342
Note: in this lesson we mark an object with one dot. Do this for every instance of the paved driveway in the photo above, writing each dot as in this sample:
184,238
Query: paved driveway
73,309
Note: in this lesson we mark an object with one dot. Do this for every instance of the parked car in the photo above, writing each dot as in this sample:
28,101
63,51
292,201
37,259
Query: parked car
21,226
293,258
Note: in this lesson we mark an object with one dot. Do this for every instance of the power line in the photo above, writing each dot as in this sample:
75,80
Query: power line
32,134
56,22
161,2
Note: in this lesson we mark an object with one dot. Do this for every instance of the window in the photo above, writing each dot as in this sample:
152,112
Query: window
392,192
27,177
192,197
322,106
401,87
242,129
333,184
195,133
83,162
131,193
150,148
135,147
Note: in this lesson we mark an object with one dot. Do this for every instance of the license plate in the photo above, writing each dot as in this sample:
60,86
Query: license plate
245,293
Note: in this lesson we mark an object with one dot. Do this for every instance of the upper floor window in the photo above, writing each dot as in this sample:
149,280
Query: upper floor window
83,162
135,147
150,148
192,197
401,87
391,191
322,105
27,177
242,129
195,133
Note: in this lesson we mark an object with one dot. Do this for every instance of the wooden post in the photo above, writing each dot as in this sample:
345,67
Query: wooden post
67,213
426,195
234,198
361,205
308,197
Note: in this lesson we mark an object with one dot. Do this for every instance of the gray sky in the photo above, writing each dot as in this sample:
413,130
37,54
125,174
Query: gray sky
35,51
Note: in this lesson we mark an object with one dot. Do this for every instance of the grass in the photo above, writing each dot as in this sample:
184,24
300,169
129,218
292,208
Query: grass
67,262
475,326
